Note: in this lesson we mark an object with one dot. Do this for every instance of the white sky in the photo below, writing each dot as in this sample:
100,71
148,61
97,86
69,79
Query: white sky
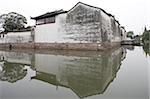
133,14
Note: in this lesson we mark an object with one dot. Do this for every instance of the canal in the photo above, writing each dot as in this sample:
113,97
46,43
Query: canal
121,73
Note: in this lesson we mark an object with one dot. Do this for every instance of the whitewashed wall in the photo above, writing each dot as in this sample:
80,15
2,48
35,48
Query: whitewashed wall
124,34
106,26
117,37
16,37
16,57
50,33
2,38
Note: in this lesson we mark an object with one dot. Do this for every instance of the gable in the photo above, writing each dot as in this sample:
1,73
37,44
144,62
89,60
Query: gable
83,7
82,13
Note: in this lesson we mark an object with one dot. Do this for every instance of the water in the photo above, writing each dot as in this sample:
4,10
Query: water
115,74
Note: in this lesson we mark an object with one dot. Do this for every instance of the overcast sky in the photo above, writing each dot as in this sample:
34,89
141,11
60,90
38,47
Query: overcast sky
133,14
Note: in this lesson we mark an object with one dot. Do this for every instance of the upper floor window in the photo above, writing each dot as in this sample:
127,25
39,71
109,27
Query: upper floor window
45,20
40,21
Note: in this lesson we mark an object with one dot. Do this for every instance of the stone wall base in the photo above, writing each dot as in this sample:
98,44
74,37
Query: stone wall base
60,46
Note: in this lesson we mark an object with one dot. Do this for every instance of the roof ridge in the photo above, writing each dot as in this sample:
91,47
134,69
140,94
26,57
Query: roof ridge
95,7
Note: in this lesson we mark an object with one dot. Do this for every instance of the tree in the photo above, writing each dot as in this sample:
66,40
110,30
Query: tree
13,21
130,34
146,35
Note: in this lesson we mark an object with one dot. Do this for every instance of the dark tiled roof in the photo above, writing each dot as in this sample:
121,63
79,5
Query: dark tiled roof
49,14
117,22
123,27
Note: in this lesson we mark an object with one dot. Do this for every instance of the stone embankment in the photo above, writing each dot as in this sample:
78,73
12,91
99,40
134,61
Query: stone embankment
60,46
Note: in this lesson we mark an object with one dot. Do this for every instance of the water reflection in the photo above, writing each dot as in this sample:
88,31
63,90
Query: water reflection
129,47
146,48
85,73
12,65
12,72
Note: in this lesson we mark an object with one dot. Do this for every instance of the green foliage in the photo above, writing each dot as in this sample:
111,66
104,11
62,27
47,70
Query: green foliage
146,41
130,34
146,36
146,48
13,21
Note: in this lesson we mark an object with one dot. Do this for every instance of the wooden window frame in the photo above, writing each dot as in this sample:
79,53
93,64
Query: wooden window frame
46,22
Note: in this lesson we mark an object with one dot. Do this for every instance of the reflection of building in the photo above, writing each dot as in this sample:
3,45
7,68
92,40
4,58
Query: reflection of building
16,57
146,48
85,73
129,47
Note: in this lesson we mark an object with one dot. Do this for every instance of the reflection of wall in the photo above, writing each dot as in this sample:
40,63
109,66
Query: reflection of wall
48,63
16,57
85,74
146,48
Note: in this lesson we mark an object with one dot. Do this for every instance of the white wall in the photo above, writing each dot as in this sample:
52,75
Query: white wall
46,33
50,33
106,25
16,37
117,37
2,38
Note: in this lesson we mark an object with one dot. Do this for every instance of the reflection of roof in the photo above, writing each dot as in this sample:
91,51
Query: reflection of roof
49,14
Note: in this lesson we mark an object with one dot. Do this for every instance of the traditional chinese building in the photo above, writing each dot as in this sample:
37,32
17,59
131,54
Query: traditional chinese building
81,24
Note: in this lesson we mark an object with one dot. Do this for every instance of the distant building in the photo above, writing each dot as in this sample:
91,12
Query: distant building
81,24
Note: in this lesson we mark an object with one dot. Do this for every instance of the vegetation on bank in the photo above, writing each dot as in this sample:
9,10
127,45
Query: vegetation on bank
146,36
141,40
130,34
146,41
146,48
